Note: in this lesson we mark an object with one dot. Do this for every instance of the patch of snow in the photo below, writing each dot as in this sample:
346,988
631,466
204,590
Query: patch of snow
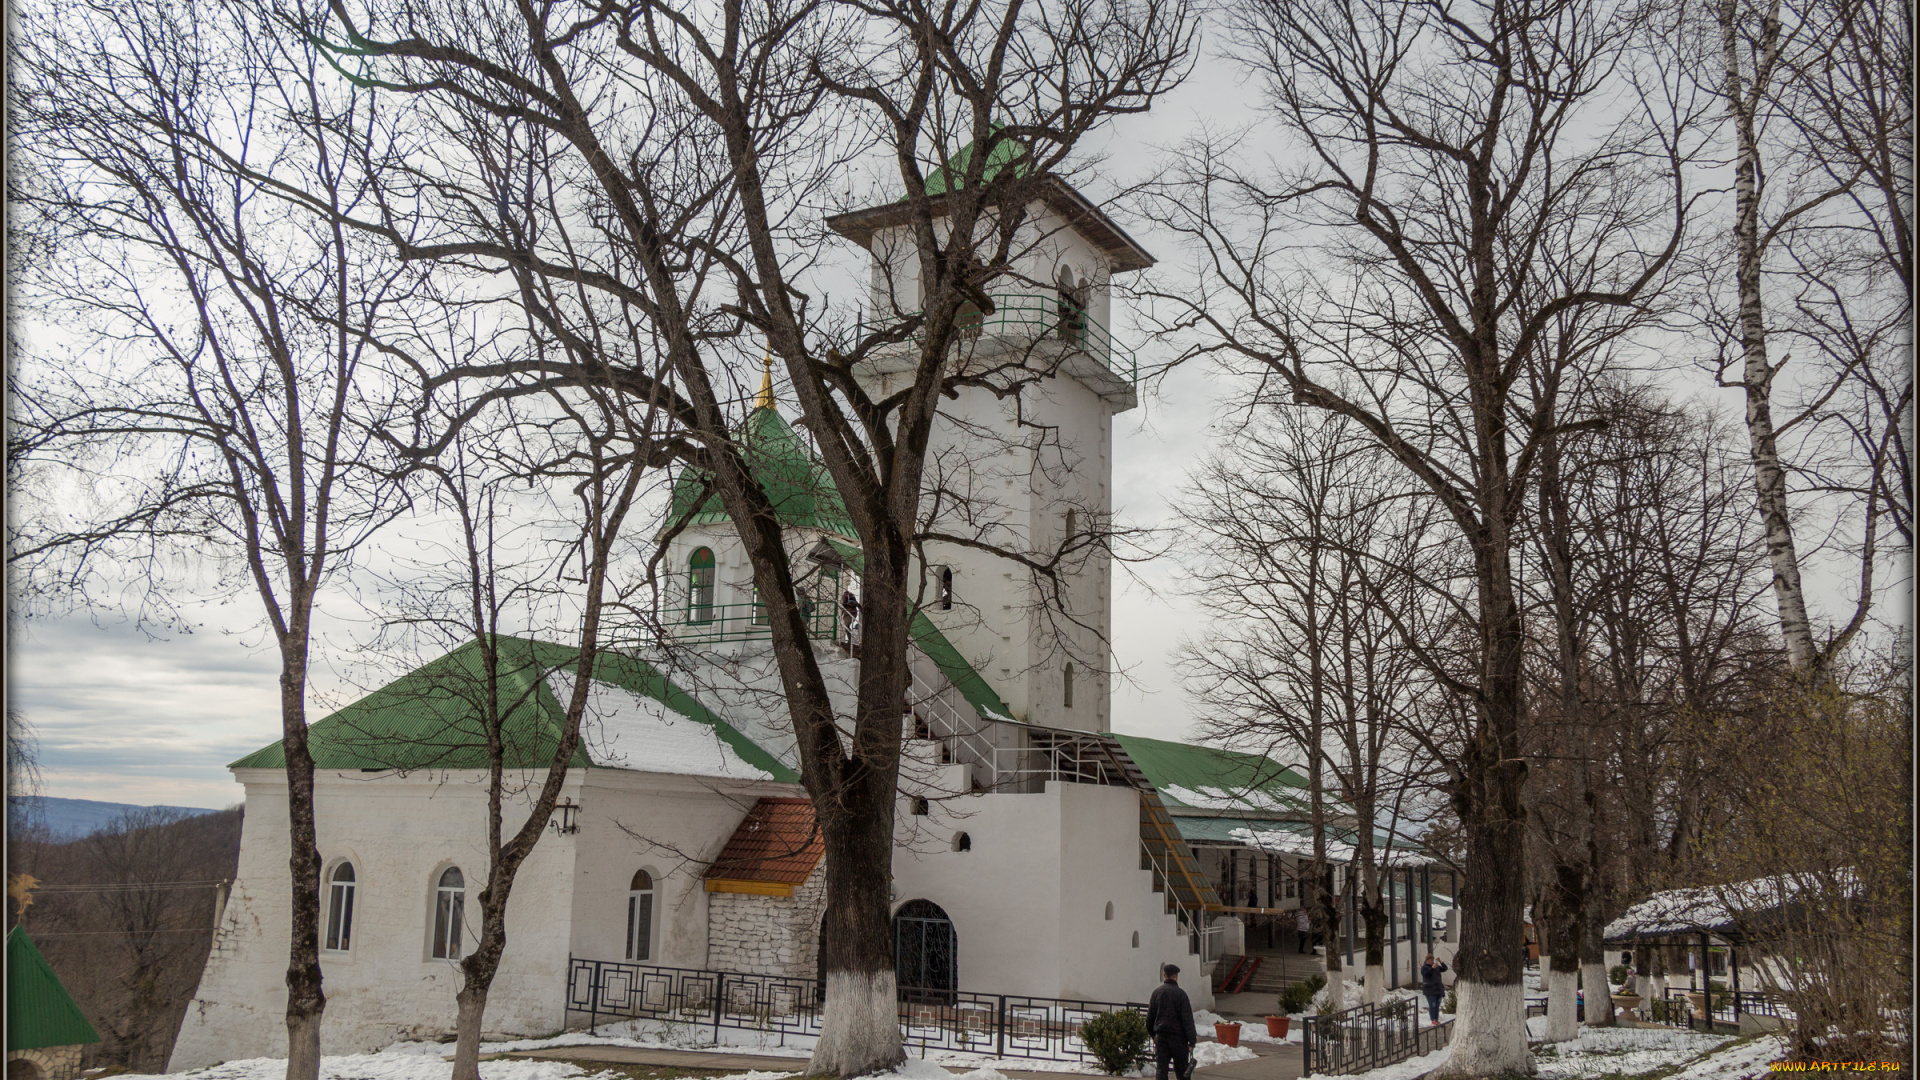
1721,907
404,1061
1207,1053
1408,1069
1285,841
625,730
1604,1051
1747,1061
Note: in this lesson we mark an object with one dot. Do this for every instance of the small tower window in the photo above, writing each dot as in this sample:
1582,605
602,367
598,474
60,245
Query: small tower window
340,889
918,807
1109,911
1071,307
1073,524
449,912
962,842
1067,688
700,586
1136,939
640,916
944,598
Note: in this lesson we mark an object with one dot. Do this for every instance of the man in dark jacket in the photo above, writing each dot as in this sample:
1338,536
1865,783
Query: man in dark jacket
1431,986
1170,1020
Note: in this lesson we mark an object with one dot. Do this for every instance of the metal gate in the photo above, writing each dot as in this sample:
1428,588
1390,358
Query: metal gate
925,954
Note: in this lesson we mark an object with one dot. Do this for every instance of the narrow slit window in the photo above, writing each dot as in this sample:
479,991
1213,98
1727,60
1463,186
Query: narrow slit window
946,588
1067,688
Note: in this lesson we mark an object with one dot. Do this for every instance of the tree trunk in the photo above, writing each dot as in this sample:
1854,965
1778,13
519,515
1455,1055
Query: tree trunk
1563,1013
1330,933
860,1034
1769,478
306,1002
472,1011
1373,918
1593,966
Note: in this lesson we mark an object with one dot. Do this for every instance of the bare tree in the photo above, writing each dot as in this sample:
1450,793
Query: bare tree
1820,114
1307,557
210,424
1442,177
703,140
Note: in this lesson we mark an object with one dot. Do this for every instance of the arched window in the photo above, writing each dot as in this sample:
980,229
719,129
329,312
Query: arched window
449,912
700,586
1070,306
1109,911
919,806
1066,697
640,916
946,588
340,886
1136,939
962,842
1073,524
925,953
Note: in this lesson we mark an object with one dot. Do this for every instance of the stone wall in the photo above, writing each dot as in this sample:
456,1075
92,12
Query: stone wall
767,935
45,1063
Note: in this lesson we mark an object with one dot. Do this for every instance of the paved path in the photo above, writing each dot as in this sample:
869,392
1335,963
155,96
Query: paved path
1271,1062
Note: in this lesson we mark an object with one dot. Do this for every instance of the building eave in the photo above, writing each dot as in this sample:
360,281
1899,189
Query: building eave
1122,250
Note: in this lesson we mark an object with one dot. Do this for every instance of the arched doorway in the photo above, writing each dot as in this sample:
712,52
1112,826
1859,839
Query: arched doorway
925,953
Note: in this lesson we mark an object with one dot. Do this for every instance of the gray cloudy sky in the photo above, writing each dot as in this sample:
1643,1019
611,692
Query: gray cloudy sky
129,718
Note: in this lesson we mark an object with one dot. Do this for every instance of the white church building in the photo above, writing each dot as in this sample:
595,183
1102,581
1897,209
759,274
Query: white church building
1036,853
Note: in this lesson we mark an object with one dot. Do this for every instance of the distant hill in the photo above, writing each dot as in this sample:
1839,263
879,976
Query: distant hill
71,819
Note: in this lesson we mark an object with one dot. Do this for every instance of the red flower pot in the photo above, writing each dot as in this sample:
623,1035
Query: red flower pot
1277,1026
1228,1034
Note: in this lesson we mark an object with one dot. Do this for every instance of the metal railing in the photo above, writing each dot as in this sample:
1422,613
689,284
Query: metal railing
1029,319
1004,1025
704,624
1678,1008
1368,1037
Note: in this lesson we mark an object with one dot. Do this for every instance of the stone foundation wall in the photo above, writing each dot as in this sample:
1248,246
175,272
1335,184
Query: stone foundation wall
767,935
46,1063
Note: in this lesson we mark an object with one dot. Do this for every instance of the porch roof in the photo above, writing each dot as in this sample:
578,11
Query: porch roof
778,843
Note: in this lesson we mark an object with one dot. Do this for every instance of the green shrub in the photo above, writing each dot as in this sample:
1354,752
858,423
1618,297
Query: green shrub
1118,1040
1617,974
1452,1004
1296,998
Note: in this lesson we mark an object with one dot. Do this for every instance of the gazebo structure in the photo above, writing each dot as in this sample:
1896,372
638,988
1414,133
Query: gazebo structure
45,1028
1712,926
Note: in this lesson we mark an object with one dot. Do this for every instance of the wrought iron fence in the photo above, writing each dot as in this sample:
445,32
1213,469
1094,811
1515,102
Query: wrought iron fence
1369,1037
1702,1009
1004,1025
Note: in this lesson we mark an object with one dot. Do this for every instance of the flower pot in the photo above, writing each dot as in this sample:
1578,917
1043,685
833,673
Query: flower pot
1228,1034
1277,1026
1699,1003
1629,1002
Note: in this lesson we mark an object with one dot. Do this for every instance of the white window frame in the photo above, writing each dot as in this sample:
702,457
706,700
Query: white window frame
447,916
642,916
333,940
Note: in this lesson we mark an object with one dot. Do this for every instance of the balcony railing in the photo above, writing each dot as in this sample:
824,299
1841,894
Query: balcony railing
1032,318
706,624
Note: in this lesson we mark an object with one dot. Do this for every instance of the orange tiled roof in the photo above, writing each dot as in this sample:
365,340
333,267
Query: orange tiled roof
778,843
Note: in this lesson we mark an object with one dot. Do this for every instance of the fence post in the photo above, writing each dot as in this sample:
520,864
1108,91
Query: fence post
1306,1045
719,995
1000,1026
593,998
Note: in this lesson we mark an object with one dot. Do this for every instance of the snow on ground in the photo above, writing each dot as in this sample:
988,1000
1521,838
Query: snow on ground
1746,1061
402,1061
1629,1051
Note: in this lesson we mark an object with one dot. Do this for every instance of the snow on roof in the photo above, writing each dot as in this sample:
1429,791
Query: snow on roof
1717,908
626,730
1299,844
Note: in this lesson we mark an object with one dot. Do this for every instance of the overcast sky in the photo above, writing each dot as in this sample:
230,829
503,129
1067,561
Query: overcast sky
129,718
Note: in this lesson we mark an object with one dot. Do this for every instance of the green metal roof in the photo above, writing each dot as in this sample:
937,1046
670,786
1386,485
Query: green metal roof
1006,151
971,684
799,487
1208,778
40,1012
431,718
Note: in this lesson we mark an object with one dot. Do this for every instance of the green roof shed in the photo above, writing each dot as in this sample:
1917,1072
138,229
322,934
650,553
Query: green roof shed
40,1012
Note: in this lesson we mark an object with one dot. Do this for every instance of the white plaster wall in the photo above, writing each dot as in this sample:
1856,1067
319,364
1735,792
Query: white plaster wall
1028,900
400,832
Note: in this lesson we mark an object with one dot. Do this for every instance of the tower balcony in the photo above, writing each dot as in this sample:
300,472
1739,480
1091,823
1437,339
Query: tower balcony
1047,328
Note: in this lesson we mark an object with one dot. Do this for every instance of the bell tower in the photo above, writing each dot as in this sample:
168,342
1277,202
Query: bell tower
1032,474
